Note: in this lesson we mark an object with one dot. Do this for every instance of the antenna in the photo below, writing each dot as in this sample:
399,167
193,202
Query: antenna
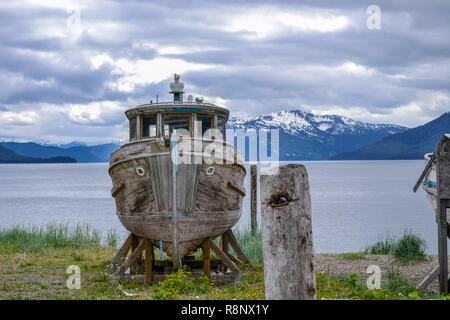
157,98
199,99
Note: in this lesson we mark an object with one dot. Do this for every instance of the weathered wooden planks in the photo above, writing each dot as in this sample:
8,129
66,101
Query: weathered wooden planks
192,226
214,193
207,197
441,157
443,169
161,179
187,180
443,203
287,234
132,187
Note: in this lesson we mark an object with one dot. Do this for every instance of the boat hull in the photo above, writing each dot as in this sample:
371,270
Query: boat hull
429,184
208,196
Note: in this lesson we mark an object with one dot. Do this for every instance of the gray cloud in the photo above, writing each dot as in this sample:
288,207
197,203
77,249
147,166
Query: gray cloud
399,73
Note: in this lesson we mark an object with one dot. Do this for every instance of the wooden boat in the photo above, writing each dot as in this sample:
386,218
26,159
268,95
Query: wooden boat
429,182
179,204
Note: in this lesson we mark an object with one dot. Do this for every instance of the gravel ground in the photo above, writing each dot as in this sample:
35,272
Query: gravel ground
415,272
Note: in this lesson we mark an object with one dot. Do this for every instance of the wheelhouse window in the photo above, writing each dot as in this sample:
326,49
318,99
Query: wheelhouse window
221,126
178,124
206,124
132,128
149,126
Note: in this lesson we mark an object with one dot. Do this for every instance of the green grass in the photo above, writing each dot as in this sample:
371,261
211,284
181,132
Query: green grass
351,286
352,255
179,283
24,252
20,238
409,248
399,285
112,238
52,235
382,246
250,243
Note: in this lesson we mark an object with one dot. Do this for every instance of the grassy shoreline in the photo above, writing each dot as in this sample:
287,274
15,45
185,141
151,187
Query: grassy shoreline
33,264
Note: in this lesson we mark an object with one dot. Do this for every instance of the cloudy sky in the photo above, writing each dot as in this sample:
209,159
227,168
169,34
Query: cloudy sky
68,69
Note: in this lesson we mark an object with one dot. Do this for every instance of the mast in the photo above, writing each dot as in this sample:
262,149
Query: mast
177,88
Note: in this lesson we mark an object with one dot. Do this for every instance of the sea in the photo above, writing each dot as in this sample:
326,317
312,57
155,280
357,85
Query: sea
354,203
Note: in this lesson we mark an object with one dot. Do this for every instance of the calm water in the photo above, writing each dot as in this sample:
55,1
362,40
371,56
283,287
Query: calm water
353,202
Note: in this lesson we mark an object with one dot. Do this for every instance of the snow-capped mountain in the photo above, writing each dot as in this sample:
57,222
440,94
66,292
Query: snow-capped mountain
305,136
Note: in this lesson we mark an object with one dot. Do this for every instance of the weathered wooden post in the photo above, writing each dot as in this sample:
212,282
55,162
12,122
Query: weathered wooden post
148,261
134,244
206,258
253,198
440,158
443,202
287,234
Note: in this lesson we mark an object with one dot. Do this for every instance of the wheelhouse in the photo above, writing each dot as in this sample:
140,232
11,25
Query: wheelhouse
188,119
163,119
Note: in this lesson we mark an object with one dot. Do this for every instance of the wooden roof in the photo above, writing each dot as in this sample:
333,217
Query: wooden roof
170,107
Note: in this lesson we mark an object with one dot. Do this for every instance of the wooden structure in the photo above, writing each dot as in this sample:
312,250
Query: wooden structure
151,271
287,234
177,183
440,193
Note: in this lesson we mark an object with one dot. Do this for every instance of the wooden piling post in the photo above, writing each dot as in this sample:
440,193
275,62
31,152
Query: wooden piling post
148,261
134,244
226,259
134,241
224,245
132,259
206,258
224,242
287,234
123,251
253,198
234,244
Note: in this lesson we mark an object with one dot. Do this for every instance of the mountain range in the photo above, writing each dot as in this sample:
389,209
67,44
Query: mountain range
305,136
302,136
410,144
98,153
9,156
